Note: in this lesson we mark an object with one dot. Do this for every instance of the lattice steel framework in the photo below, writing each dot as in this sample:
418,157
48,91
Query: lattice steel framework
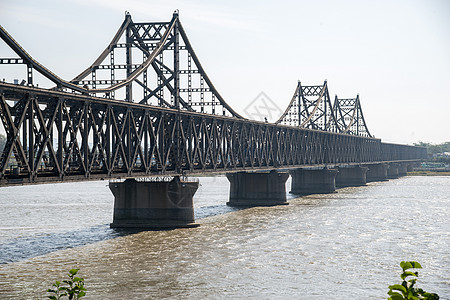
156,112
61,136
350,117
310,107
148,63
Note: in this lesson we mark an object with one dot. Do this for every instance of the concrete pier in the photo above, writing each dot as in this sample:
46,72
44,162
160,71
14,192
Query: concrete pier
320,181
377,172
257,188
410,167
351,176
393,171
153,204
402,169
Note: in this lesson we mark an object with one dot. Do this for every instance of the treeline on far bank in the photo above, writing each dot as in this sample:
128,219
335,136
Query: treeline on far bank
437,152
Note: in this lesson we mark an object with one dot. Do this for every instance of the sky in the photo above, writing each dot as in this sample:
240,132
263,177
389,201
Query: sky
394,53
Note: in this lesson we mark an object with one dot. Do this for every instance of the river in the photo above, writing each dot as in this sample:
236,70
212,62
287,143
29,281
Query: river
346,245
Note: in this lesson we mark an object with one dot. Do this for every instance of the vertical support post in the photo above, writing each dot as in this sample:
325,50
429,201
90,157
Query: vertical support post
129,61
146,121
176,64
189,141
129,146
113,75
189,79
162,141
86,139
299,109
25,138
109,136
357,114
176,87
275,140
60,137
325,102
144,75
31,137
94,78
30,74
160,81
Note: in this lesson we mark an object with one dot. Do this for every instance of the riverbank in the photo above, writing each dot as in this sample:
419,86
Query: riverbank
428,173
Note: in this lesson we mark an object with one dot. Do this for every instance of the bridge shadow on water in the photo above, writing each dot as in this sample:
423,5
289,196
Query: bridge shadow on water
22,248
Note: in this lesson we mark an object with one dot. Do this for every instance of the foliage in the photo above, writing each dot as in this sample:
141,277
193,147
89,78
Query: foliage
73,288
435,148
406,290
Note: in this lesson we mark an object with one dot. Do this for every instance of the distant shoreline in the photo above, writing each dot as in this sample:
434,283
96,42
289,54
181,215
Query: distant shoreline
429,173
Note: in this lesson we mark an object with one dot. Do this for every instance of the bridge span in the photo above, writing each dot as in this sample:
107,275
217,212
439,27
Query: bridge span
146,108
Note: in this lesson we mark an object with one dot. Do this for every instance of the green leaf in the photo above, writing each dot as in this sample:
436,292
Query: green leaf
395,296
398,287
408,273
51,291
77,279
405,265
74,271
431,296
52,297
81,294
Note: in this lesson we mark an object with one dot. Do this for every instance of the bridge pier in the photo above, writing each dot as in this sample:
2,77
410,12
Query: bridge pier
351,176
257,188
320,181
377,172
393,171
410,167
402,169
153,204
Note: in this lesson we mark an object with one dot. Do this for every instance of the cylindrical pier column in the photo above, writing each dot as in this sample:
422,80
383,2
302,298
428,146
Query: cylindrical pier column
319,181
351,176
153,204
257,188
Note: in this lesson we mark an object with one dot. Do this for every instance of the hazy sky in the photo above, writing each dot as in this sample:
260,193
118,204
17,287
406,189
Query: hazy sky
394,53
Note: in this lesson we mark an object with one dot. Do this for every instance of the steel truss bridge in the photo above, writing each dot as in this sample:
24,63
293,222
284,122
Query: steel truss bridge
147,107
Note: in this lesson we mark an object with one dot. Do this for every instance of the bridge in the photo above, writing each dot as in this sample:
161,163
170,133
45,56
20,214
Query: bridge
146,109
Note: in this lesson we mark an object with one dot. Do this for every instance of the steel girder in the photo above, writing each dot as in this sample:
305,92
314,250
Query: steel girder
59,136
